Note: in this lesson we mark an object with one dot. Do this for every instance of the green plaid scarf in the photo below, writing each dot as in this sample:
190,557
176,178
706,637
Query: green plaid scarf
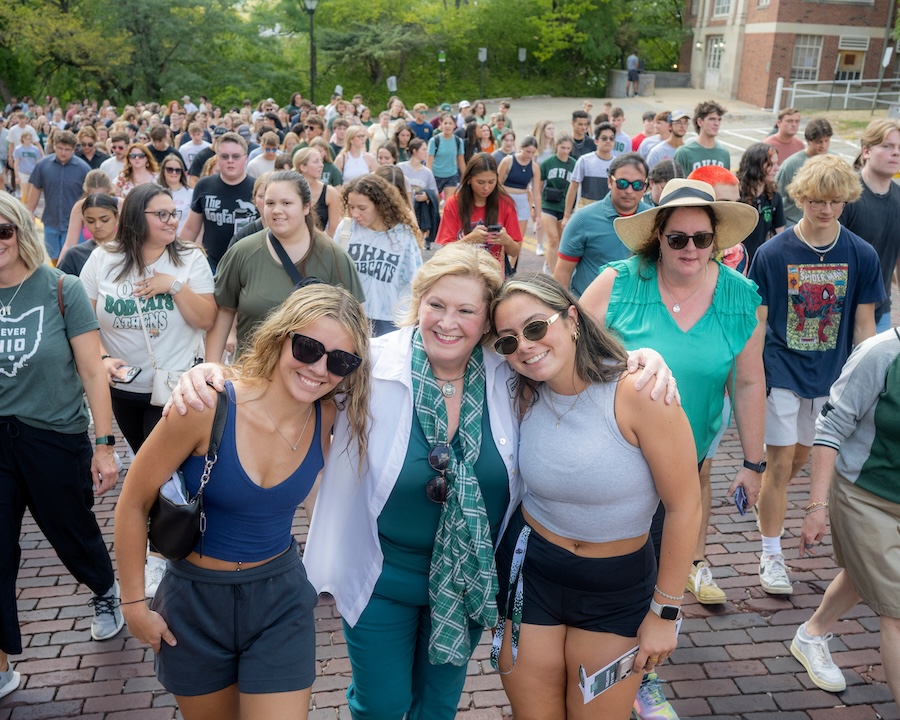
462,580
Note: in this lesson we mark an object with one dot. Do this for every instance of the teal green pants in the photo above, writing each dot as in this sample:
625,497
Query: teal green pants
388,650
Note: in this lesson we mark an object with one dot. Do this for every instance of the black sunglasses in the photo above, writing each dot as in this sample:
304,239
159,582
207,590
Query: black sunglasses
6,231
636,185
308,351
439,458
679,241
533,331
173,169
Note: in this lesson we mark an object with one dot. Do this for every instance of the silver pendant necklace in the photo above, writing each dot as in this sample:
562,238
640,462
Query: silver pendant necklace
820,251
448,389
676,308
278,429
6,309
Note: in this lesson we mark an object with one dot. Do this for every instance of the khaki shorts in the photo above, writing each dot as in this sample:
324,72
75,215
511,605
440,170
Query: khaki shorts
791,419
865,534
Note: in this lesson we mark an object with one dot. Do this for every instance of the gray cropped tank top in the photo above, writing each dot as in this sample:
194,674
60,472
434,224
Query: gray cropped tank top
583,479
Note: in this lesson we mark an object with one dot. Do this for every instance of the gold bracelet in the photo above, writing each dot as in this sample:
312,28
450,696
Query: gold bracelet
812,507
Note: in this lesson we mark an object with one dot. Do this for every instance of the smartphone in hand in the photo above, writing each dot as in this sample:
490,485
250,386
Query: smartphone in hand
126,373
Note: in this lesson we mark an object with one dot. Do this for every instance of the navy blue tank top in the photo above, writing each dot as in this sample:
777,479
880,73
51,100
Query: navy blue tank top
519,175
246,522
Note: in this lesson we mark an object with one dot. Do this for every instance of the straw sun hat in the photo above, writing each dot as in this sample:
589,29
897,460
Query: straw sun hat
734,220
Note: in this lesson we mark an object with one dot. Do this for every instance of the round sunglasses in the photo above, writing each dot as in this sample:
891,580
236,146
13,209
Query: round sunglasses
7,230
437,488
308,351
533,331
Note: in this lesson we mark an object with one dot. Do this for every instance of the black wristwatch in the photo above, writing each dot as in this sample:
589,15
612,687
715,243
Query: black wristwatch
666,612
759,467
105,440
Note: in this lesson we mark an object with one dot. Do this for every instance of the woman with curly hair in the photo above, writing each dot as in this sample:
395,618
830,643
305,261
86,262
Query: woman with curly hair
759,164
140,169
380,238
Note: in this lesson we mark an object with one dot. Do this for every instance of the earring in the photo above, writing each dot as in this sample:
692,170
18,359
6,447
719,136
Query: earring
576,335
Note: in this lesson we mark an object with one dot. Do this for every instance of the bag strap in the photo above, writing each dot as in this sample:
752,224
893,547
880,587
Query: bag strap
345,234
218,428
59,295
286,263
146,334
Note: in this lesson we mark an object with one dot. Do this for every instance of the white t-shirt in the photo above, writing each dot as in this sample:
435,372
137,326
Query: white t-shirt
189,151
175,343
385,263
112,167
15,135
259,165
182,200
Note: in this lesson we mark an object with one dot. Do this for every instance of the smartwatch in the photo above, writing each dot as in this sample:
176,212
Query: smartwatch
666,612
176,287
105,440
759,467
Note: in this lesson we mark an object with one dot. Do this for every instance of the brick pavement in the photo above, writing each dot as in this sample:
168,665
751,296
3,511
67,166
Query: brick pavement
733,661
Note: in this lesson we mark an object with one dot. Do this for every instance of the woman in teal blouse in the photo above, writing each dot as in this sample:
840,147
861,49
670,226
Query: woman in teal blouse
675,297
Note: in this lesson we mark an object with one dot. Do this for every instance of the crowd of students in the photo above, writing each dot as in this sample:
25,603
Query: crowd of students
281,239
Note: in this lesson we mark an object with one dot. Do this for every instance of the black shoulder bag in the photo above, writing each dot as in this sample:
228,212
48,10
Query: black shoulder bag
177,522
289,267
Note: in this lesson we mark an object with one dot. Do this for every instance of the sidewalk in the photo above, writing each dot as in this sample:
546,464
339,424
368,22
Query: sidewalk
733,662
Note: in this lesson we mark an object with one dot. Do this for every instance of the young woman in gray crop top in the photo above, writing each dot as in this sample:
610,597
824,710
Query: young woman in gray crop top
595,456
232,623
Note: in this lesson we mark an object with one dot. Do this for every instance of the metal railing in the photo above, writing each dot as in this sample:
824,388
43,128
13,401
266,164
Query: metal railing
844,94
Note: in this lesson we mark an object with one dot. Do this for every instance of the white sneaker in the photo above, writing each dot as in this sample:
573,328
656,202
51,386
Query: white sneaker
773,575
539,250
812,653
153,574
9,680
108,620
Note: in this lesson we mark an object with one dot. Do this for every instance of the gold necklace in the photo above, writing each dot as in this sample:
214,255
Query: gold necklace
553,407
820,251
293,445
676,308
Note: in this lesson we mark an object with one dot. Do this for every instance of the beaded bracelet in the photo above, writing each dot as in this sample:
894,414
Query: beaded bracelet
812,507
666,595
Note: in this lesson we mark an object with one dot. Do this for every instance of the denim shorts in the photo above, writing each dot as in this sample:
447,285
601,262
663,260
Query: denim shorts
251,627
609,595
443,182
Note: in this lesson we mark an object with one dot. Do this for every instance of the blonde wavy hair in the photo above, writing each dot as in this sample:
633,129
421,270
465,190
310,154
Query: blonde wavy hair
302,308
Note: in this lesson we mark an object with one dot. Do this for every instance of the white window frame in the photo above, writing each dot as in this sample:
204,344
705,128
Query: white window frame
715,48
721,8
806,57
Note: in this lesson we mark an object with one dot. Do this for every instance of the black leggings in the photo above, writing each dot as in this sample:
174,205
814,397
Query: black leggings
135,415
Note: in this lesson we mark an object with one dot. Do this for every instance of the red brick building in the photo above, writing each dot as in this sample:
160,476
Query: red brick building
741,47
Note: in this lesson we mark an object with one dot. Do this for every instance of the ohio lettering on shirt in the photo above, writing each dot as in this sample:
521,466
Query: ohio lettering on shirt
20,338
816,307
374,262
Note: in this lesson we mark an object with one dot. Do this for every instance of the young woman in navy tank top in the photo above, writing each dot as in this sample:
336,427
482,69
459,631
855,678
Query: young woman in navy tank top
232,624
520,175
587,591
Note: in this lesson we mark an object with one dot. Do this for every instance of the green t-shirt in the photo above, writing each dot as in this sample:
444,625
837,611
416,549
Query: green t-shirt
701,358
251,280
693,155
556,175
39,383
409,520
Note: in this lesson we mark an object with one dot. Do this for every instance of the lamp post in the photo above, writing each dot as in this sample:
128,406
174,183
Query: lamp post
311,9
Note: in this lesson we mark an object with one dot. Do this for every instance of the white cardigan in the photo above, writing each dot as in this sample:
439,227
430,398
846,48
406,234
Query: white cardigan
343,553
